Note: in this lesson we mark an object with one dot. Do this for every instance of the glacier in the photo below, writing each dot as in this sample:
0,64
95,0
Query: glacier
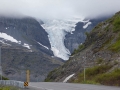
57,29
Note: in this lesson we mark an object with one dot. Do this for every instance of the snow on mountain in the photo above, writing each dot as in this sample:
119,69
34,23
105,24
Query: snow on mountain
42,45
5,43
26,45
57,29
6,37
86,25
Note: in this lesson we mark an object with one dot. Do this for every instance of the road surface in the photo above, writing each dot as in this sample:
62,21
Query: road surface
67,86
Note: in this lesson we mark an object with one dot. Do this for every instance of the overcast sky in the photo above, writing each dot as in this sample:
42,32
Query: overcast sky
59,8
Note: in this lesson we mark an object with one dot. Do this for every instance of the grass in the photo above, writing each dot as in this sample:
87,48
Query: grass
116,24
4,78
49,78
92,72
89,82
81,47
100,75
107,28
99,60
112,78
115,47
8,88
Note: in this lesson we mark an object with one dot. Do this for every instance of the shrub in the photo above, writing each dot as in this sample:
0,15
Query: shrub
4,78
100,75
112,78
90,72
80,47
116,24
99,60
115,47
87,34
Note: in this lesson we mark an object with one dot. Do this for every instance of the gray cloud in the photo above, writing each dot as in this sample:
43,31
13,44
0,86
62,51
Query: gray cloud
58,8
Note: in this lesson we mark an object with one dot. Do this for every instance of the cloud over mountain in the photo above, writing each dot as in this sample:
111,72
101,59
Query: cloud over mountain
58,8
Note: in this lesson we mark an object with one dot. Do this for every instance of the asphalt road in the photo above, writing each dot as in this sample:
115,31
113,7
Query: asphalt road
67,86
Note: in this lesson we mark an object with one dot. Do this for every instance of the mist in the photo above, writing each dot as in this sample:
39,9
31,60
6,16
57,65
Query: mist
60,9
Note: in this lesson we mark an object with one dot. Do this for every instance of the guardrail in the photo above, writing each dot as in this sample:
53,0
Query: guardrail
12,83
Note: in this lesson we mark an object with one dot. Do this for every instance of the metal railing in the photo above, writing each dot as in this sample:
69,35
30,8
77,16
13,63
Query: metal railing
12,83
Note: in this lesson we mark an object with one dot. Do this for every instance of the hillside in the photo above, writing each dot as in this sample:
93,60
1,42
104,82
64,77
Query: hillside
25,45
72,41
100,50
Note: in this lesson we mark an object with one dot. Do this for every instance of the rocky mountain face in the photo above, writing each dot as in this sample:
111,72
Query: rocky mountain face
72,41
26,31
16,61
25,45
102,46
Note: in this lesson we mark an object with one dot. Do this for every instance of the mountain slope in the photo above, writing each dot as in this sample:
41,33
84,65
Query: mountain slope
25,31
16,61
101,47
72,41
25,45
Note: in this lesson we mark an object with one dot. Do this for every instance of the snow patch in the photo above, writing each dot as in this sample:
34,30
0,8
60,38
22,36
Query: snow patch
42,45
5,43
26,45
8,37
6,27
86,25
19,42
67,78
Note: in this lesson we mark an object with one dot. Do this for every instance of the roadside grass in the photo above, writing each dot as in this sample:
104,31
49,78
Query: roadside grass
100,75
112,79
8,88
4,78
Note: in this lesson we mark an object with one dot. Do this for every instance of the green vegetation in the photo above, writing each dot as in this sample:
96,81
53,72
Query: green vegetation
4,78
100,75
115,47
107,28
48,79
87,34
81,47
112,78
8,88
116,62
116,23
99,60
